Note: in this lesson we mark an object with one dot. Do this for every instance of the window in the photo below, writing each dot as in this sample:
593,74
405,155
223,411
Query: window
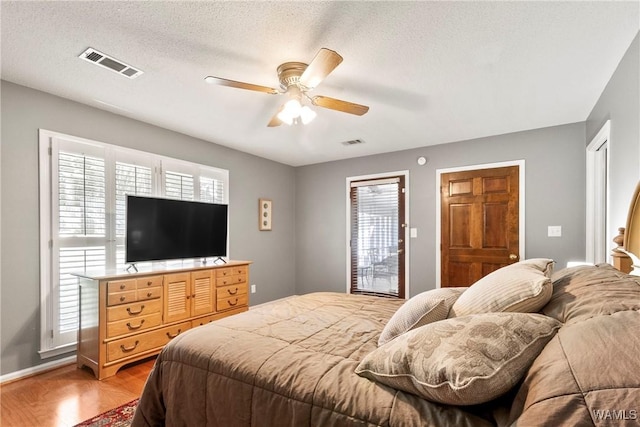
83,188
377,229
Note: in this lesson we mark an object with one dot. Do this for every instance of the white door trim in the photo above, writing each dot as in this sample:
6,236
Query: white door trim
597,192
349,179
521,205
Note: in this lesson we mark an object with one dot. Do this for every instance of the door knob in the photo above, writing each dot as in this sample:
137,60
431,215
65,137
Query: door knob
513,257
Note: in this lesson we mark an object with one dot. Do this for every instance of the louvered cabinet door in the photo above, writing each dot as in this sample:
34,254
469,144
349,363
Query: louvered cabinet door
177,297
202,293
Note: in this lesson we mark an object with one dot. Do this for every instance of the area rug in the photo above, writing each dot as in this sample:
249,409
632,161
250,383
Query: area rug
118,417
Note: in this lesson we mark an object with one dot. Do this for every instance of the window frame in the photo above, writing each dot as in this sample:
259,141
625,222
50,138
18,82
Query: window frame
49,143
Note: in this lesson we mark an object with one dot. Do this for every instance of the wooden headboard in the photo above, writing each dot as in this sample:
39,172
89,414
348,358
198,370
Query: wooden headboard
631,244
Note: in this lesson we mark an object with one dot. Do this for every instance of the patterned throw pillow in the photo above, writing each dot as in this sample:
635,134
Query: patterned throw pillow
461,361
426,307
521,287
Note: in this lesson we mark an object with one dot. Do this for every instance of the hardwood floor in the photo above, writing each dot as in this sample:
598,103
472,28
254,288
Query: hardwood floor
67,396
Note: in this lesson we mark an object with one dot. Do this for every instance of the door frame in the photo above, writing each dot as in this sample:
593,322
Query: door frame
521,206
348,180
598,192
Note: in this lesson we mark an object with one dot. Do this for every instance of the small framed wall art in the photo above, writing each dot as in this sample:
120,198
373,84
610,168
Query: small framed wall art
264,214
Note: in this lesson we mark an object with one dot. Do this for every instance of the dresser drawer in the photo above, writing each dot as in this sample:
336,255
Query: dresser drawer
231,280
231,290
149,293
133,310
121,286
203,320
230,271
148,282
125,347
227,303
116,298
127,326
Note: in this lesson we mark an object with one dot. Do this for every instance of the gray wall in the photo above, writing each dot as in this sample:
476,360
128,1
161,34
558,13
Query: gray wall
555,195
24,111
620,103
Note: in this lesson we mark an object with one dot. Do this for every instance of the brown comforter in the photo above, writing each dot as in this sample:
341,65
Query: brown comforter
287,363
291,363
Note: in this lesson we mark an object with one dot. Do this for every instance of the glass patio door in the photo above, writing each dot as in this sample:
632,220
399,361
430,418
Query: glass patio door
377,226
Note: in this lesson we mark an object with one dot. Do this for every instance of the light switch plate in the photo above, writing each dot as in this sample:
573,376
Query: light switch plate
554,231
413,232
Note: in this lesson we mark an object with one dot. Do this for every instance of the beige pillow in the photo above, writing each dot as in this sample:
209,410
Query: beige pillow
521,287
462,361
426,307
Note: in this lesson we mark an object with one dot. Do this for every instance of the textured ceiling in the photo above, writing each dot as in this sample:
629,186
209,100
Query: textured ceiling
431,72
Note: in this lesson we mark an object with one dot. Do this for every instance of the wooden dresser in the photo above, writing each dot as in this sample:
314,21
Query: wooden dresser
127,317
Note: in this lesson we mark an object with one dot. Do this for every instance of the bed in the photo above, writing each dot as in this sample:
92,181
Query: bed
563,351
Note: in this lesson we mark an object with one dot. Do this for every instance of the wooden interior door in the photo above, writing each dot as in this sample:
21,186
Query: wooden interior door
480,223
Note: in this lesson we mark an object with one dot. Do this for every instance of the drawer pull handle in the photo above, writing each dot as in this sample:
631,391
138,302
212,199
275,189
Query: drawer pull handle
122,286
233,303
128,349
171,336
149,294
149,283
232,293
122,298
133,328
133,313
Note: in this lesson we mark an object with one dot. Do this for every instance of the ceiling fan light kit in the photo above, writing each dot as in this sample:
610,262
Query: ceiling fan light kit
296,79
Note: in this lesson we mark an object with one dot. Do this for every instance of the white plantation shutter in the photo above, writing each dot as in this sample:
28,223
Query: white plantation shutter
83,189
186,181
130,179
81,195
82,231
178,186
211,190
74,259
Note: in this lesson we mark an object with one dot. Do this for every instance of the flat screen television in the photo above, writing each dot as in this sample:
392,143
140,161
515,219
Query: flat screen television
165,229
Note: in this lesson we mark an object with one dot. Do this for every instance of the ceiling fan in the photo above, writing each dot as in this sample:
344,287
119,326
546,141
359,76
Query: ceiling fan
296,80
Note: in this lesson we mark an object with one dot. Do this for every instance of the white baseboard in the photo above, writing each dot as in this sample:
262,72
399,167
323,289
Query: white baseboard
12,376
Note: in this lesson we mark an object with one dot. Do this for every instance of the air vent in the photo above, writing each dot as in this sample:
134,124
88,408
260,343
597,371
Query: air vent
353,142
110,63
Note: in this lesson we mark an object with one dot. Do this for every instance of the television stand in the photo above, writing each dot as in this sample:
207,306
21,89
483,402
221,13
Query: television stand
127,317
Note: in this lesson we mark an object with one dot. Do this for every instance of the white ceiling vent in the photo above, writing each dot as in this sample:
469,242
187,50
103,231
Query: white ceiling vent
353,142
110,63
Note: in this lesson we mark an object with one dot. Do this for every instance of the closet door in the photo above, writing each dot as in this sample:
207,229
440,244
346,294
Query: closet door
480,223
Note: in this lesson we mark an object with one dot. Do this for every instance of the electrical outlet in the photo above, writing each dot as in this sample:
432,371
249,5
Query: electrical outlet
253,289
554,231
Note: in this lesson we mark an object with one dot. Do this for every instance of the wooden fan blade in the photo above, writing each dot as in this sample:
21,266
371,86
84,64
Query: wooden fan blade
240,85
325,62
275,121
338,105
